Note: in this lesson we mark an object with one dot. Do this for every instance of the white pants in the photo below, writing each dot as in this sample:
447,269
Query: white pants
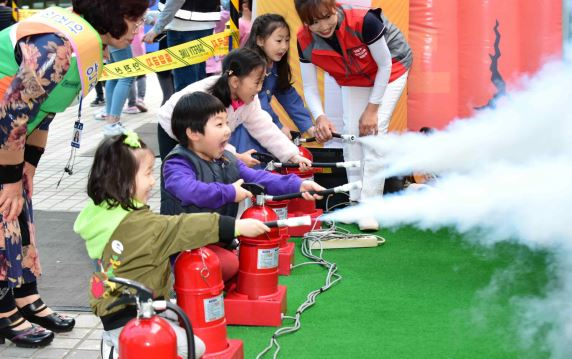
110,342
354,102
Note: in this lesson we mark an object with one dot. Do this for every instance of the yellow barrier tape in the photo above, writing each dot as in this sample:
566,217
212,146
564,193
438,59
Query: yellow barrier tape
189,53
22,14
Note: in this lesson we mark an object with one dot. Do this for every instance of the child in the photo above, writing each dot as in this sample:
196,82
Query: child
237,88
201,176
214,63
369,58
130,241
270,37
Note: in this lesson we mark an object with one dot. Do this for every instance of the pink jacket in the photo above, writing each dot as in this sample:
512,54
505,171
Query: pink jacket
256,121
137,45
214,64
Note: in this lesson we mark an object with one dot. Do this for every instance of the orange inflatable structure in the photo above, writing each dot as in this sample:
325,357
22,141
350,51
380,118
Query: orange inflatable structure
466,54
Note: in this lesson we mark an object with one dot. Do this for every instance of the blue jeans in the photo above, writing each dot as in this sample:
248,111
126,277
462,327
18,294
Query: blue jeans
117,91
184,76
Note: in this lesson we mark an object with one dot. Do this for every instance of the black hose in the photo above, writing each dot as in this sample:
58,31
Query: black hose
314,165
299,194
188,328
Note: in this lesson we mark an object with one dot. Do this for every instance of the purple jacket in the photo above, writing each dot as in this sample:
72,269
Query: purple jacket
181,182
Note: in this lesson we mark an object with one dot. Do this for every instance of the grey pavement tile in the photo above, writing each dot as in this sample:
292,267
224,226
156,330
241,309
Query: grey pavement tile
84,354
51,353
14,352
76,333
87,321
89,345
64,343
95,334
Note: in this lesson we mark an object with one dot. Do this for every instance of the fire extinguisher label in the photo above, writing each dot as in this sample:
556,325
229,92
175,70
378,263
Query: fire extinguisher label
282,213
214,308
268,258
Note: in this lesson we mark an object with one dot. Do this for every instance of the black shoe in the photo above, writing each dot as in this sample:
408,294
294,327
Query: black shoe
98,102
54,322
32,337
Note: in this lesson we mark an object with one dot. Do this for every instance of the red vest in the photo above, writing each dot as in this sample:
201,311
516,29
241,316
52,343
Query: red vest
356,67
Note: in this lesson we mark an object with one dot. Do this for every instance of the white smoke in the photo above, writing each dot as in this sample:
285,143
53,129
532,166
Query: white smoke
505,172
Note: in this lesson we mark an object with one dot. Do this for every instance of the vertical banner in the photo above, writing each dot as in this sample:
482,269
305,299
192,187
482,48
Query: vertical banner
433,79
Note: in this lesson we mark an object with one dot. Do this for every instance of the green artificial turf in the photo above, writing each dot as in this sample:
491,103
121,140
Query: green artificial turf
420,295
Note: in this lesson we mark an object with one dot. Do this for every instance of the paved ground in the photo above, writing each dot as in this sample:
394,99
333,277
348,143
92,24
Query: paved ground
70,196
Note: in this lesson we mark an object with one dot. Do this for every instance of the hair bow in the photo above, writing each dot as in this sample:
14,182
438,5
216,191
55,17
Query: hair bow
131,139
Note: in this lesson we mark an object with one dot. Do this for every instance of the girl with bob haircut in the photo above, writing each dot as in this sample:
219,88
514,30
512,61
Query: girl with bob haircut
128,240
369,58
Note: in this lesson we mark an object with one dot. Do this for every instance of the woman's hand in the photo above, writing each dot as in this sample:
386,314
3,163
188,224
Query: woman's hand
11,200
323,129
368,121
310,186
250,227
149,37
28,178
246,157
305,163
241,193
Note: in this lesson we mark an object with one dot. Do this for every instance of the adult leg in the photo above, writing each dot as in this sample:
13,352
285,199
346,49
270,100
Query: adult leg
165,78
121,90
372,163
184,76
141,82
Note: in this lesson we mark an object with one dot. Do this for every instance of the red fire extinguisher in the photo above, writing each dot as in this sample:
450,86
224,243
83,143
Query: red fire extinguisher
199,287
256,298
149,336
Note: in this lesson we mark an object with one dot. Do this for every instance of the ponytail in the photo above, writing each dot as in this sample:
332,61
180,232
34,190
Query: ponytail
239,62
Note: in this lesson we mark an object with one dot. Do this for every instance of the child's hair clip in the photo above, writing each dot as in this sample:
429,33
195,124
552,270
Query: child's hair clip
131,139
229,72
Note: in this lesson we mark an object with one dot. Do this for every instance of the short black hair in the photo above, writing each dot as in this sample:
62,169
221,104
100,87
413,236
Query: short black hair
112,174
193,111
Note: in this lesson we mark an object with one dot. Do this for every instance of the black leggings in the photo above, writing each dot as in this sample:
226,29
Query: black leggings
8,295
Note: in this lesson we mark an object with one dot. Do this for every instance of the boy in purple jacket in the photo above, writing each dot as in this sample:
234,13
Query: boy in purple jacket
199,175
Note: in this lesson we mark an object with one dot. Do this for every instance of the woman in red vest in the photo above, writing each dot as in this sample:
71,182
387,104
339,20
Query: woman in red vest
370,59
37,78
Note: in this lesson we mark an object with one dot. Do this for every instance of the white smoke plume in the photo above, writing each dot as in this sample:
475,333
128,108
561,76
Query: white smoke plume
505,172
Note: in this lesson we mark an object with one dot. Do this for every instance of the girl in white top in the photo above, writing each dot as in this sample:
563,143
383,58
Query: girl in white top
243,72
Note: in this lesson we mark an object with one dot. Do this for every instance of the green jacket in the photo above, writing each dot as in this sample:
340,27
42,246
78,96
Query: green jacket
137,245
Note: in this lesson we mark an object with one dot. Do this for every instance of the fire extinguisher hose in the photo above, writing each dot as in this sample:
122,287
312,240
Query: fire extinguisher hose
348,164
344,188
345,138
188,328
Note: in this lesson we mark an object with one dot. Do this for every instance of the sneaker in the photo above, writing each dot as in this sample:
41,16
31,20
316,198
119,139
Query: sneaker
131,110
368,224
141,105
98,102
102,116
113,129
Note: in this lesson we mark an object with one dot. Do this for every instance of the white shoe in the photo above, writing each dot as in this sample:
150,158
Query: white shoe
113,129
368,224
